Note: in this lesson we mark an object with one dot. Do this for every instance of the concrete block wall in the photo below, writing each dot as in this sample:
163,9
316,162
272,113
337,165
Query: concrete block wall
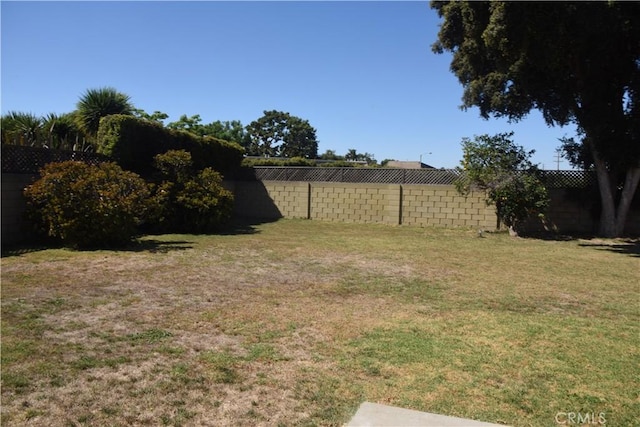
420,205
348,202
14,228
425,205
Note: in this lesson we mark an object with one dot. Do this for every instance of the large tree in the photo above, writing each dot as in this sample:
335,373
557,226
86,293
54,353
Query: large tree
575,62
280,134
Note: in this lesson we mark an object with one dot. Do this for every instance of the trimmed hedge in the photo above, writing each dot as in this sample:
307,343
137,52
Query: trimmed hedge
133,143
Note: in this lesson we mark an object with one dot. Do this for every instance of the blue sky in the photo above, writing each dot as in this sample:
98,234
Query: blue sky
362,73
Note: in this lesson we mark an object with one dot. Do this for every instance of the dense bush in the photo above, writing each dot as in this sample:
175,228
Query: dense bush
189,201
86,205
133,143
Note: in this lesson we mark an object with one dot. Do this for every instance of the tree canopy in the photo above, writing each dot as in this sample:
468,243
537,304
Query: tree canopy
576,62
277,133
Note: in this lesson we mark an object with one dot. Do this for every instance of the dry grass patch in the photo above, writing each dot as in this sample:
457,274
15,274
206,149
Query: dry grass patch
298,322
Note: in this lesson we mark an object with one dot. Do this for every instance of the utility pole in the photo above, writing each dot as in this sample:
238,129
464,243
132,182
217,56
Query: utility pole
558,156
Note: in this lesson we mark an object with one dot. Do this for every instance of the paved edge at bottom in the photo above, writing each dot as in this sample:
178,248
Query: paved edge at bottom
377,415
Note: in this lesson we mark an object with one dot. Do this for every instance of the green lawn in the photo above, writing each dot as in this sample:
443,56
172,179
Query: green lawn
297,322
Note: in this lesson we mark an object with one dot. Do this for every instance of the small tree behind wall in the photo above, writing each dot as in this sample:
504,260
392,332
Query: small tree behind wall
502,169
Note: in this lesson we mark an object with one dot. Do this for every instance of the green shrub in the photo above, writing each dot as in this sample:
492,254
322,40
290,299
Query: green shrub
86,205
203,203
189,201
133,143
174,165
274,161
340,164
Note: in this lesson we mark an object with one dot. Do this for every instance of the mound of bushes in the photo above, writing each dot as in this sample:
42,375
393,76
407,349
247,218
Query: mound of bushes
88,205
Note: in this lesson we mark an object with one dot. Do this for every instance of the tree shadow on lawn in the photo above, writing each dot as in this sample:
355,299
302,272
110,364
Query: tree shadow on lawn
244,225
146,245
629,247
238,226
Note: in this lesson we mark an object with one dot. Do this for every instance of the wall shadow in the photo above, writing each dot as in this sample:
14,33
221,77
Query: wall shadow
252,203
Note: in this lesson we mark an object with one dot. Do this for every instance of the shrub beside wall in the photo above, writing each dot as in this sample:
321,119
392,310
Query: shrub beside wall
134,142
88,205
189,201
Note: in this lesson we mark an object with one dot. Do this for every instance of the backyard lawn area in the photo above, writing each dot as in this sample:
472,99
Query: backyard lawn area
297,322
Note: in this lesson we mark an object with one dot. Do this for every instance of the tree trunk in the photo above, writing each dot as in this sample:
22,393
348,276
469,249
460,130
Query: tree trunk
612,220
630,185
608,210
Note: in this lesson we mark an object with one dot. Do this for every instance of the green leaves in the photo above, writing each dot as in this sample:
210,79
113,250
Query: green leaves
495,165
280,134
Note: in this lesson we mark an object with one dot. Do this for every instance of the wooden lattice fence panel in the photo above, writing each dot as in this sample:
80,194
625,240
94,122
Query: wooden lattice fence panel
24,159
552,179
356,175
569,179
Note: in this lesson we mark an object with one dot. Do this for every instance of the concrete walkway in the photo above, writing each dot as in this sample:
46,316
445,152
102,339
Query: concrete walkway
376,415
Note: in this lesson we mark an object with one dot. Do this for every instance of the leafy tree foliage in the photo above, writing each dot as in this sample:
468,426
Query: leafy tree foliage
576,62
330,155
280,134
504,172
156,116
232,131
97,103
353,155
88,206
191,124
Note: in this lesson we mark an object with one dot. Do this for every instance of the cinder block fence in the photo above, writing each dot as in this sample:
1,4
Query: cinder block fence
395,204
423,197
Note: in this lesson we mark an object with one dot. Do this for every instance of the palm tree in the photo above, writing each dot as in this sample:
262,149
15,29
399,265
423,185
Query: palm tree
20,128
97,103
62,132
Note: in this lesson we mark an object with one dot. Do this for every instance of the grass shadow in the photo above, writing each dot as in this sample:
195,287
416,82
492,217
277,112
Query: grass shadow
552,236
629,247
244,225
156,246
146,245
238,226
